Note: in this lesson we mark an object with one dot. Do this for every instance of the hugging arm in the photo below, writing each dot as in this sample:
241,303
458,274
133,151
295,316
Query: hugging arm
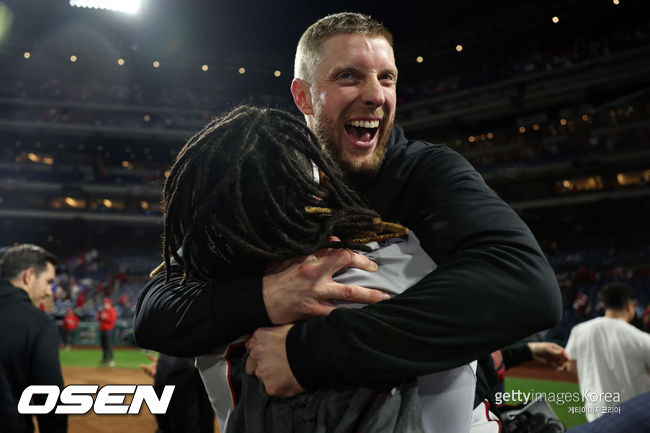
493,286
198,316
194,318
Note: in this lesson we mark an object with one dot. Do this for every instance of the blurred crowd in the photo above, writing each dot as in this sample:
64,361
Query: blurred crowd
551,59
85,279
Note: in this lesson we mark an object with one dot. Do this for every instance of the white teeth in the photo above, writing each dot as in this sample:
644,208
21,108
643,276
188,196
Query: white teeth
364,123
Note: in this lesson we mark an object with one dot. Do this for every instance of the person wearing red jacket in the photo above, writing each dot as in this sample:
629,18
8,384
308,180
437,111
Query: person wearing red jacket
70,324
106,318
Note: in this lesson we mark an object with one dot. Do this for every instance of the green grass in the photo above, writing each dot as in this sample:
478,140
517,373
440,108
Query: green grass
82,357
551,387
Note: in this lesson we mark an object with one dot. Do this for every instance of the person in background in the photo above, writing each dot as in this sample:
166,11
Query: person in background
608,354
70,324
81,299
495,365
189,410
29,347
106,318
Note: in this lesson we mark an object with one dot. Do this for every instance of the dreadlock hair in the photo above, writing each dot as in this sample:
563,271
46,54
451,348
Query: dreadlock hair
242,193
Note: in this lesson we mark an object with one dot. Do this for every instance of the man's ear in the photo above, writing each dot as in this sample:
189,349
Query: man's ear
302,96
631,309
28,276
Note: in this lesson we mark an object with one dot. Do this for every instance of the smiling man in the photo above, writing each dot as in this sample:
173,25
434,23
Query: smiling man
345,81
29,347
493,285
349,99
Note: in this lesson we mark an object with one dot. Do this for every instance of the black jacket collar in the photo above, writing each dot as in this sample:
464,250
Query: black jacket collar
10,294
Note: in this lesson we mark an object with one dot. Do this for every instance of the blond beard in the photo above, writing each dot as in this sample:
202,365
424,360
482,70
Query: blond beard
353,169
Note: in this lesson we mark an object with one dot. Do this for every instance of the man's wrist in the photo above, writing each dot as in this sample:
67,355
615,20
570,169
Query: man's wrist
527,352
299,358
269,307
319,354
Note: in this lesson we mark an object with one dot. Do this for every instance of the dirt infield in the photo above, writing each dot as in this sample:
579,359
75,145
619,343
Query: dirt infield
91,422
145,422
536,370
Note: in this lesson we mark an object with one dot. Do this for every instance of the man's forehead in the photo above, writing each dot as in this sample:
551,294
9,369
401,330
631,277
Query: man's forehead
346,48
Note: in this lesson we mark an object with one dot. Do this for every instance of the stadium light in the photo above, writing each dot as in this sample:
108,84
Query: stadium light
6,18
128,6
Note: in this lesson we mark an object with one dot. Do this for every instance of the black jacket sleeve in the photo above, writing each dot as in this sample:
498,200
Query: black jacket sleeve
45,369
195,318
493,286
516,354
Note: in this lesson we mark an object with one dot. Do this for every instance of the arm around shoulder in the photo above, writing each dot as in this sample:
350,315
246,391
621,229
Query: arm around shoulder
487,254
198,316
493,286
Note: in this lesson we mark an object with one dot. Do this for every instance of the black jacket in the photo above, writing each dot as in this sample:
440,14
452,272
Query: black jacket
189,410
353,410
29,355
493,286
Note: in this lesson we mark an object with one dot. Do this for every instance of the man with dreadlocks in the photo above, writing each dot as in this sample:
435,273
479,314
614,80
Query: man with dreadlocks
242,194
345,85
266,165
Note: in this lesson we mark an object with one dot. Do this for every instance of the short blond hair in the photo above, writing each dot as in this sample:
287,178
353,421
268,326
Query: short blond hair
308,52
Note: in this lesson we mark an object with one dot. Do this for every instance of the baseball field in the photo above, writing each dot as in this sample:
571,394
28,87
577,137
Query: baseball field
82,366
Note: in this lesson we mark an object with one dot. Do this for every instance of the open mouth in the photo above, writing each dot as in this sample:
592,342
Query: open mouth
362,131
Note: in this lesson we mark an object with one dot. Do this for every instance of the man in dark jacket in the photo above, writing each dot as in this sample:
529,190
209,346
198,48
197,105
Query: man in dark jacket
189,410
29,347
487,292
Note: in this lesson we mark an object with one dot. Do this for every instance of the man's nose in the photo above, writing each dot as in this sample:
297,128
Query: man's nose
373,93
